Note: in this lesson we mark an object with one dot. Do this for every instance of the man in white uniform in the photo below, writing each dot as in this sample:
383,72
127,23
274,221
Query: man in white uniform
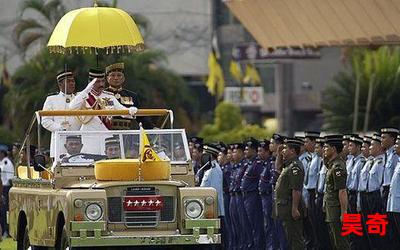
60,101
94,97
7,173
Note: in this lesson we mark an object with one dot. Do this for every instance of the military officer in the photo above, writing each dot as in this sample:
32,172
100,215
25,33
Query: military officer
393,205
95,97
237,158
389,135
356,164
60,101
244,223
345,152
197,151
265,191
335,198
115,79
226,167
112,147
321,226
362,201
213,176
192,141
251,197
310,184
374,183
287,204
278,232
73,145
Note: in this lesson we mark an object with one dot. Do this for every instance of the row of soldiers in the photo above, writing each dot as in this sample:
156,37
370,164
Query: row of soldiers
295,193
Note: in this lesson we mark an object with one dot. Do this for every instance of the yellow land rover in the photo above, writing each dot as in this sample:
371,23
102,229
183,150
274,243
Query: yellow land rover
98,193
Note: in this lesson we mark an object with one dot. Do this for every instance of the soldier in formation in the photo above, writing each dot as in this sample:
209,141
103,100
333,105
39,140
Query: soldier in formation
274,188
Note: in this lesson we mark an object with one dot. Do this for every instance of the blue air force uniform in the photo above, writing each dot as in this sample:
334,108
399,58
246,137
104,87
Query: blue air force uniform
226,172
390,165
265,190
244,223
352,181
236,234
252,200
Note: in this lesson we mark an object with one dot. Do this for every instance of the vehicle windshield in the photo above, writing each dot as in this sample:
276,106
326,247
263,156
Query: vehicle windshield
86,147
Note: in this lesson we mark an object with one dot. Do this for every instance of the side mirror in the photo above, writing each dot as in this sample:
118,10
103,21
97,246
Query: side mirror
39,163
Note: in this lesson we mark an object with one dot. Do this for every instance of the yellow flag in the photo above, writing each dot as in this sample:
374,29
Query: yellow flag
236,71
215,82
252,75
146,152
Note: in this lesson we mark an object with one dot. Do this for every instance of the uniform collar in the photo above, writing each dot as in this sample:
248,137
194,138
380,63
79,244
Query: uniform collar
115,89
390,150
334,159
381,156
65,95
288,162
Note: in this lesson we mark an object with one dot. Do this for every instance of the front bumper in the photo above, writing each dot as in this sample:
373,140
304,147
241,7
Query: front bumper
210,226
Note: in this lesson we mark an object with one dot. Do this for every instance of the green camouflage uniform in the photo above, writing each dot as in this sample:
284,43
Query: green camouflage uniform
291,178
335,180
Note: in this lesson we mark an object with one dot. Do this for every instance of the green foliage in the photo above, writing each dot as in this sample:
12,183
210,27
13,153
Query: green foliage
383,68
229,127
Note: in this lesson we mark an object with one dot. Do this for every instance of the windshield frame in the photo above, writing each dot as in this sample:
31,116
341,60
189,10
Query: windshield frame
120,133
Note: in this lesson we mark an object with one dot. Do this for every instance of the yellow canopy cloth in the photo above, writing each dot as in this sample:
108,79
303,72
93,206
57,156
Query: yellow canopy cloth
87,29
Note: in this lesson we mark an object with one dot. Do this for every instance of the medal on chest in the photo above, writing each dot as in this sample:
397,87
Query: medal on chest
117,95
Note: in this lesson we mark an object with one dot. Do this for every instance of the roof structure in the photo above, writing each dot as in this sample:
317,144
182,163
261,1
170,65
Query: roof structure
315,23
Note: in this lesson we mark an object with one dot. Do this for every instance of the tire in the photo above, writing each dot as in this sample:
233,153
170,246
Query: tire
62,242
23,239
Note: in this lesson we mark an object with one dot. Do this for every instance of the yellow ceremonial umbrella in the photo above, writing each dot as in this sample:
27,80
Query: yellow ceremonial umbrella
86,30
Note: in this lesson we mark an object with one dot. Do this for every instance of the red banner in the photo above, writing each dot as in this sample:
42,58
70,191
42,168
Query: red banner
143,203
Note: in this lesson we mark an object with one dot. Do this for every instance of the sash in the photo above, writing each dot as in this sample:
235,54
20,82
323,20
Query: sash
92,101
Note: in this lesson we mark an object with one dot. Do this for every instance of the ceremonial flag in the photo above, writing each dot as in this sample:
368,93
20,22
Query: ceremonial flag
215,82
146,152
251,75
236,71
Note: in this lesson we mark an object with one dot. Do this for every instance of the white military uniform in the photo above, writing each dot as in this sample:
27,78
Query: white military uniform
59,101
106,100
7,171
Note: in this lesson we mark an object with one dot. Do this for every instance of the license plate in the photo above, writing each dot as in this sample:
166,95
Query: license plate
143,203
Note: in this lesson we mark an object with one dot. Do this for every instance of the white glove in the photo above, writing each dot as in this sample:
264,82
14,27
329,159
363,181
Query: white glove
133,111
90,86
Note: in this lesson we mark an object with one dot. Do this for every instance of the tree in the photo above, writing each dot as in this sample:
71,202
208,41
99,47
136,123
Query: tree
378,74
29,31
229,126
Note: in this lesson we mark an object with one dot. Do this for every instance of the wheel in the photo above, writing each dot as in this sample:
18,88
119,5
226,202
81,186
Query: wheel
62,242
23,239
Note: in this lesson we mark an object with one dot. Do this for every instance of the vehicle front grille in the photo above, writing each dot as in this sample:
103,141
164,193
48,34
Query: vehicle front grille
115,209
116,213
141,219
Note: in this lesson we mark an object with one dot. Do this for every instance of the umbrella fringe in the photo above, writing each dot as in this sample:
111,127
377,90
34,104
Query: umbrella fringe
109,50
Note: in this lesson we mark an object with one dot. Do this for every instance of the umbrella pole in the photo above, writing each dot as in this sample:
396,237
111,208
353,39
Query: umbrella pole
97,60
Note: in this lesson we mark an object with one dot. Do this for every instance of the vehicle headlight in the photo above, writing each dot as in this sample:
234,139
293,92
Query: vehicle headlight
94,211
193,209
